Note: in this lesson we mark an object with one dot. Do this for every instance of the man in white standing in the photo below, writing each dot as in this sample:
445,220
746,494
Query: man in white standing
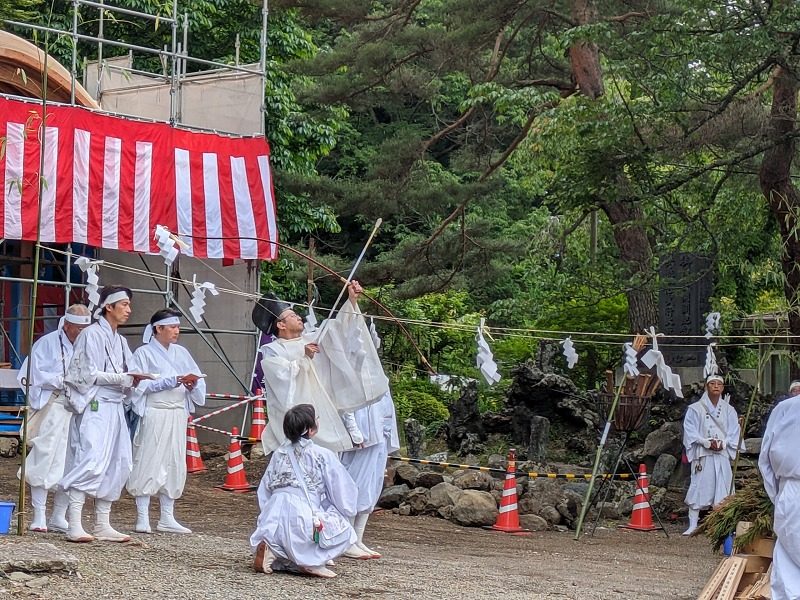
779,463
338,375
99,454
163,405
48,428
711,436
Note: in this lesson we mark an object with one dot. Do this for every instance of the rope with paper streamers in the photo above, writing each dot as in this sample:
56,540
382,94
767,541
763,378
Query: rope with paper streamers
510,332
92,280
198,306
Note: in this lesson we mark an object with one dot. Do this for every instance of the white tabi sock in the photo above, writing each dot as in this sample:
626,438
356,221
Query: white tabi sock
143,515
58,519
167,522
75,532
694,518
102,526
39,504
360,524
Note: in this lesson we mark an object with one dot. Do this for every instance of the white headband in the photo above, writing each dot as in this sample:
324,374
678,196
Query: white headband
78,319
711,378
147,334
115,297
794,384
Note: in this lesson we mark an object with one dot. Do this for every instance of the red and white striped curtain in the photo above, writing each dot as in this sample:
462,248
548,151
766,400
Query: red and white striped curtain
108,181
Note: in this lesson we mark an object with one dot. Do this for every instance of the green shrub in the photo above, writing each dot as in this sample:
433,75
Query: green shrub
421,406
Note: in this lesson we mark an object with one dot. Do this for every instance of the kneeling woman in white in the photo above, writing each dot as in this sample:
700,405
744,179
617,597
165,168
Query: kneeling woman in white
306,498
163,405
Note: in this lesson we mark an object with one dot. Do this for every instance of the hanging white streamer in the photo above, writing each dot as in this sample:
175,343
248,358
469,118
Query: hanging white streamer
712,323
485,359
167,246
198,306
92,280
710,367
654,358
631,366
373,332
310,324
569,352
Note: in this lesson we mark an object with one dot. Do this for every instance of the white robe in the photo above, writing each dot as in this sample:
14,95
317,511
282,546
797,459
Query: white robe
344,376
711,470
779,463
159,445
99,454
286,520
367,465
48,428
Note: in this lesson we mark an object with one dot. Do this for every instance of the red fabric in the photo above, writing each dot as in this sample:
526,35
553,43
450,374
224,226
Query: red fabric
116,171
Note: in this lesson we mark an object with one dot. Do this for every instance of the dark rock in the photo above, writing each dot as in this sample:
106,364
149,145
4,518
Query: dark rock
404,510
578,487
527,505
662,470
34,557
444,494
470,444
475,508
437,457
446,512
415,438
569,507
406,473
428,479
473,480
465,418
419,500
539,438
9,446
211,451
550,514
533,523
391,497
496,461
752,446
496,423
667,439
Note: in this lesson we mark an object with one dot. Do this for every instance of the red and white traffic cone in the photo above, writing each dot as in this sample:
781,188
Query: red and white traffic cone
235,479
258,422
508,519
642,515
194,462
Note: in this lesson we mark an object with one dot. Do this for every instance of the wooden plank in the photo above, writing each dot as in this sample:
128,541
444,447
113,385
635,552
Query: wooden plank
727,590
756,564
760,547
709,592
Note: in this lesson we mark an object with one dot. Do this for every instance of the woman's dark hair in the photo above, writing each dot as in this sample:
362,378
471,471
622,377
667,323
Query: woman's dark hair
164,313
113,289
299,420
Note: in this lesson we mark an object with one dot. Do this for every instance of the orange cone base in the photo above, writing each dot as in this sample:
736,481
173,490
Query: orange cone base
508,530
237,489
639,527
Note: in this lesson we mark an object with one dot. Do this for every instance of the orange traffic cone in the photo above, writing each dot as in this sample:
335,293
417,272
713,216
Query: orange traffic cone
642,515
235,480
194,462
258,422
508,519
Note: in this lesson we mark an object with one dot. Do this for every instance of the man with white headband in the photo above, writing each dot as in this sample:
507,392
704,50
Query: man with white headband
163,405
99,454
711,436
48,426
779,462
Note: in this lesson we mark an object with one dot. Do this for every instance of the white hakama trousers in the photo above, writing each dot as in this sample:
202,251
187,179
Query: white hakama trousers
44,466
712,484
159,446
286,524
367,467
99,453
785,584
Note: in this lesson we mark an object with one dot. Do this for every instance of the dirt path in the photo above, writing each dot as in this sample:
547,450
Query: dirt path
424,557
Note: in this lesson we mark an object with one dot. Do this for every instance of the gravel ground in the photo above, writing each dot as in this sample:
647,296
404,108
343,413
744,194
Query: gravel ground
424,557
